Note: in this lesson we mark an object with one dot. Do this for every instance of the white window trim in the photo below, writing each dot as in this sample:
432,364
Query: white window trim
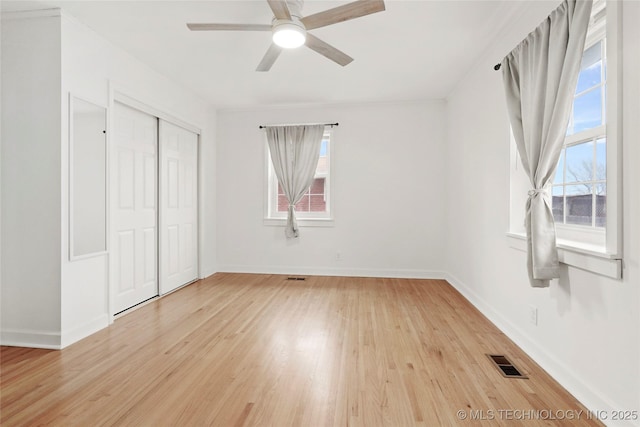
604,260
304,219
584,257
614,130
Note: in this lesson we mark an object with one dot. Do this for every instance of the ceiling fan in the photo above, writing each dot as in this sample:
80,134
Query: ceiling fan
290,28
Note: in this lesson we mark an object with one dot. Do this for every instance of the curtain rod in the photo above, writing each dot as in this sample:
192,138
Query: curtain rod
325,124
497,66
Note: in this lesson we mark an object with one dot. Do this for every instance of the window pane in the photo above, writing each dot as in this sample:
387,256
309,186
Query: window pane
601,205
590,68
601,159
579,160
323,148
303,204
579,204
587,110
317,203
323,166
317,199
558,203
317,187
314,199
559,178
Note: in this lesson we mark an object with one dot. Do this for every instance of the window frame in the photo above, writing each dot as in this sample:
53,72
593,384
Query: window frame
304,219
613,105
586,234
579,234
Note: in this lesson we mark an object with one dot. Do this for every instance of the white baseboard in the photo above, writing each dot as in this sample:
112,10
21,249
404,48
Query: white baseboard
206,272
348,272
30,338
591,399
84,330
52,340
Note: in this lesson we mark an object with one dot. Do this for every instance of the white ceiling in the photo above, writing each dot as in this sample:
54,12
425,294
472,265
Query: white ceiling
414,50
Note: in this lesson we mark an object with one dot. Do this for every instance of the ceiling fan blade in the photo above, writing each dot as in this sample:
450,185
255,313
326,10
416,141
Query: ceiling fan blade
269,58
280,9
229,27
343,13
327,50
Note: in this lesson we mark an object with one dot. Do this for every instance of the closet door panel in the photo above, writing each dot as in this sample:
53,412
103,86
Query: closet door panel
134,222
178,206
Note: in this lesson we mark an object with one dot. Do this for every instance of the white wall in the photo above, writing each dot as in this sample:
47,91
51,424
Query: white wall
31,210
588,334
46,299
390,228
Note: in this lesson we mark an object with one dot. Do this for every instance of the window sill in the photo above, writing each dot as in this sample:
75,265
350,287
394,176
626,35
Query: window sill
302,222
585,257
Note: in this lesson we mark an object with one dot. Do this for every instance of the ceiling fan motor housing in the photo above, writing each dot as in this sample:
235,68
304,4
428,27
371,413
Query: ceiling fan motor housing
289,33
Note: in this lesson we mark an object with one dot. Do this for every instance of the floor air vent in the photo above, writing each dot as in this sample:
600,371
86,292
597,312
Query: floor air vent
296,278
507,369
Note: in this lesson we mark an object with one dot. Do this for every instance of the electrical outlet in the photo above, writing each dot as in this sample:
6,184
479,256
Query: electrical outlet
533,314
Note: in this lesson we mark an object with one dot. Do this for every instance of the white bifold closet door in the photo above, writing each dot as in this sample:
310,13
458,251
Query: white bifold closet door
179,206
155,207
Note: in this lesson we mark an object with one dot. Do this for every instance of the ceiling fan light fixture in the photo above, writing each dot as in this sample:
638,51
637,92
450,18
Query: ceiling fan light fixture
289,34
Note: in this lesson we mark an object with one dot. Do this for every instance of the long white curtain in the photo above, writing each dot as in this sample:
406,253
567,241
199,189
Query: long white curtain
294,153
540,77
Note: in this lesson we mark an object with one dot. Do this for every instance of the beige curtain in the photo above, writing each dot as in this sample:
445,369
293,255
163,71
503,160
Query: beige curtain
294,153
540,77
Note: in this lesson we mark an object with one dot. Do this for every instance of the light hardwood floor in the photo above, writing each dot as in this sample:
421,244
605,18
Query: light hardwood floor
241,349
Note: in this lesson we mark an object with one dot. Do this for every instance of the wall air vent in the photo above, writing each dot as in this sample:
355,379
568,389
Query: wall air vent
506,368
296,278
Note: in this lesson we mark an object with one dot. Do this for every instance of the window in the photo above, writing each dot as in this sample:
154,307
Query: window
580,184
585,190
316,202
585,186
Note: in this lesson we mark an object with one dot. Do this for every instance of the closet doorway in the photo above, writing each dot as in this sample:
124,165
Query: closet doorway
154,221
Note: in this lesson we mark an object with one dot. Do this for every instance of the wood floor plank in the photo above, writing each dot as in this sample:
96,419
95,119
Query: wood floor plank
259,350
